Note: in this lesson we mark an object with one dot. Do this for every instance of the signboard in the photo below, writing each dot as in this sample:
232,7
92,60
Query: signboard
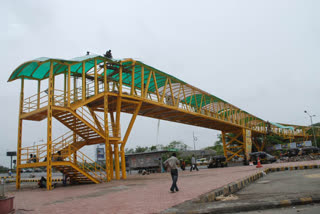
293,145
11,153
277,147
100,154
307,143
248,142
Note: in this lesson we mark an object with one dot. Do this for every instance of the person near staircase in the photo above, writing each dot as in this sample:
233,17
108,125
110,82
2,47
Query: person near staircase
193,164
172,163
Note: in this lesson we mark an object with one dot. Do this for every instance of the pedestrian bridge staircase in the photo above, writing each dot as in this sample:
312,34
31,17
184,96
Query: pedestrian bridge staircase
67,158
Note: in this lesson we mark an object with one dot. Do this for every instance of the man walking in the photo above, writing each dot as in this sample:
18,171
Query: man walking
172,163
193,163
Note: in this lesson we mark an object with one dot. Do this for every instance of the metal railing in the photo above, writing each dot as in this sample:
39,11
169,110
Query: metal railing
86,164
60,99
98,124
67,151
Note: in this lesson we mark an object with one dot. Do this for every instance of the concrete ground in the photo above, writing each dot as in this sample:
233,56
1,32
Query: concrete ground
303,209
265,193
137,194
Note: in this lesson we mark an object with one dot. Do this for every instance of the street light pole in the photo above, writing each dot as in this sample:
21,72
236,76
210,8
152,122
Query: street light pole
194,141
314,136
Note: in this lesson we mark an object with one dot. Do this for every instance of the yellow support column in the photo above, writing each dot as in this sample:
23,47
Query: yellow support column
106,126
123,143
223,137
114,132
107,143
64,89
18,174
95,78
116,145
75,91
49,129
111,161
83,82
116,159
123,161
69,85
75,152
132,78
38,95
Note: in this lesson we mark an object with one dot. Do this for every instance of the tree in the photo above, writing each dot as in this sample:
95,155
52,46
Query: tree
129,151
153,148
274,139
217,146
176,145
140,149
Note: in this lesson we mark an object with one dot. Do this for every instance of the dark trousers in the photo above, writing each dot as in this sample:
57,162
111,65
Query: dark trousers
174,176
194,167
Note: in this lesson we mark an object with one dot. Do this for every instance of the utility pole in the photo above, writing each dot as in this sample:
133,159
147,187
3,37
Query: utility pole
194,141
314,136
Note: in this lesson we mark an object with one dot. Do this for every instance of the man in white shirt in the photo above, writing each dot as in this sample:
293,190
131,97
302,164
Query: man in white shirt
193,163
172,163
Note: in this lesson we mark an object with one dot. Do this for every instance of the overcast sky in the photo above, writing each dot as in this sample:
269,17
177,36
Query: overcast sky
262,56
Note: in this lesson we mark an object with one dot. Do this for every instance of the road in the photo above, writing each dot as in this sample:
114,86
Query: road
267,192
303,209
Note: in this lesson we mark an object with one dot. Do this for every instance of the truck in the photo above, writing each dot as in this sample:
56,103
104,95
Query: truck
149,161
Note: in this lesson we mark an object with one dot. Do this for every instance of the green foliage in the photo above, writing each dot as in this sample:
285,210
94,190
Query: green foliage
176,145
274,139
219,149
3,169
140,149
129,151
153,148
276,153
217,146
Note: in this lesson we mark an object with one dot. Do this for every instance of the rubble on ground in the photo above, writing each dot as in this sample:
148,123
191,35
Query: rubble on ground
300,158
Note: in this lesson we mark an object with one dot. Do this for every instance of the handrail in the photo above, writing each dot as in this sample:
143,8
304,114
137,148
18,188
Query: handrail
84,113
85,164
60,99
65,145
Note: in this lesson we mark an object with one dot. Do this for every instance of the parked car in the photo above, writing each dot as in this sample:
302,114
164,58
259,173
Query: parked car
202,160
217,161
24,170
264,157
310,150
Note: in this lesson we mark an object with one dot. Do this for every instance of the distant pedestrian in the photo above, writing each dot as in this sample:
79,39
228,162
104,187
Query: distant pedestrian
183,165
193,163
9,172
30,160
172,163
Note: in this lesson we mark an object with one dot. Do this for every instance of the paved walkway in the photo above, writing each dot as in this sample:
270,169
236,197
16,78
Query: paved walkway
137,194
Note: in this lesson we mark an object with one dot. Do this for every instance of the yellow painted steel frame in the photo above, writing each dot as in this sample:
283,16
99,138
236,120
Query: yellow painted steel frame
171,100
233,146
124,141
18,176
49,129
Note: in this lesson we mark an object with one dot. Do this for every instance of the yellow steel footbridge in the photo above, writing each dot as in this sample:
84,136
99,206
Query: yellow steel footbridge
88,94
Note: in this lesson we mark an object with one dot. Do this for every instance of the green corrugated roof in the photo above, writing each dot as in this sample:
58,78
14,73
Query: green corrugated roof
39,68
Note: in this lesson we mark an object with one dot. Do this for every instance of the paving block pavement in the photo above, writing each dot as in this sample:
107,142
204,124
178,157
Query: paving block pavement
137,194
